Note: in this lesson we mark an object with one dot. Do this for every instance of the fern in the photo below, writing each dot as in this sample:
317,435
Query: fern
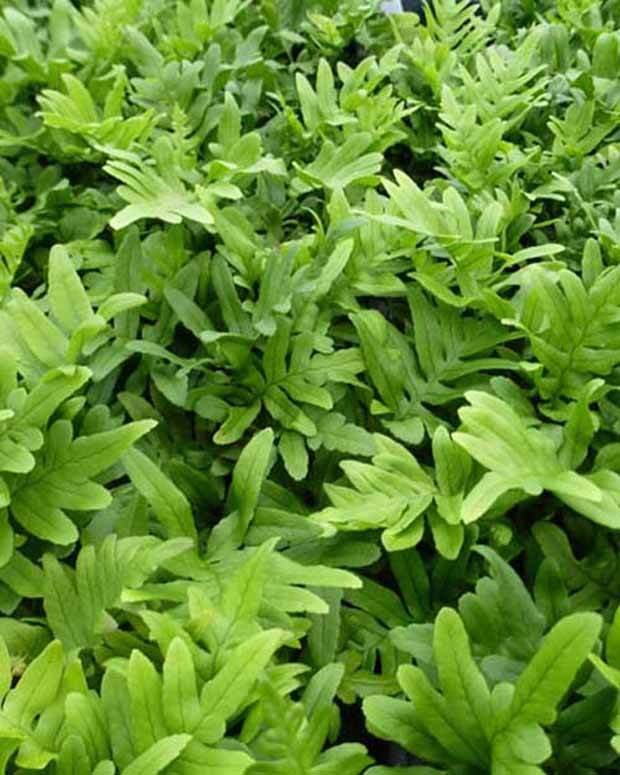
571,327
456,25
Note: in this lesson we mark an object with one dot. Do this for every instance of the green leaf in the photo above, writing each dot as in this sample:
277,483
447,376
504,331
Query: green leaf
248,477
292,448
223,695
145,693
463,685
64,479
149,195
179,690
547,677
36,342
518,456
158,756
501,613
325,630
37,687
396,720
76,602
239,419
170,505
437,718
50,392
69,302
338,166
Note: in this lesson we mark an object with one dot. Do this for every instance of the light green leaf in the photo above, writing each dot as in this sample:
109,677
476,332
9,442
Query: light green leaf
69,301
170,505
158,756
248,477
179,692
223,695
547,677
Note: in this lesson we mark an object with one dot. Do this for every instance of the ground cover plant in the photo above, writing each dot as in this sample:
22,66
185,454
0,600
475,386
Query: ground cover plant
309,387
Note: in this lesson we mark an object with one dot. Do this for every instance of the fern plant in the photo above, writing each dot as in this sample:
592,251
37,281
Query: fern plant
308,387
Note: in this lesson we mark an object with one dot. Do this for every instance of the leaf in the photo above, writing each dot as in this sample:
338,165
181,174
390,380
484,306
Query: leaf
171,507
293,451
436,717
337,167
198,758
6,677
158,756
549,674
222,696
76,602
37,687
322,688
612,643
239,419
85,721
145,694
117,706
248,476
518,456
241,599
38,344
179,690
150,196
325,630
274,295
190,314
64,479
575,339
396,720
501,613
119,303
420,214
49,393
68,299
462,683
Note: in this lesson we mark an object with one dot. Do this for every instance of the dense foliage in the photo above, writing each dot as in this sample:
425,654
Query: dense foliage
309,387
